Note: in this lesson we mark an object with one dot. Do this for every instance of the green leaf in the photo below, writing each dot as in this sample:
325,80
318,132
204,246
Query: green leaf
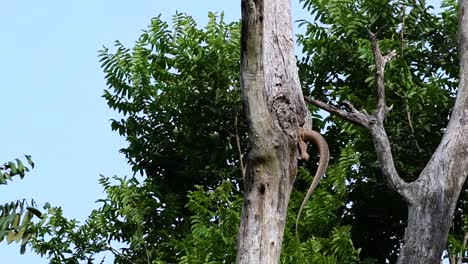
34,211
30,162
12,168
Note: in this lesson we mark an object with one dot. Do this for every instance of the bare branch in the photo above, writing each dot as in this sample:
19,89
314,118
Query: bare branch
354,116
374,122
380,62
379,135
385,157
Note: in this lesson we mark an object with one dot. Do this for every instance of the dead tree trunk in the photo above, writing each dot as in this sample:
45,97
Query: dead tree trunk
275,110
433,196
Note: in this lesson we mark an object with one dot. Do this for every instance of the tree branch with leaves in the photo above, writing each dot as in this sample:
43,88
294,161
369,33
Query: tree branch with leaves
16,216
432,197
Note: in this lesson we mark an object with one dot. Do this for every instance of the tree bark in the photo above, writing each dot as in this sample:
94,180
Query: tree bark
433,196
274,109
427,230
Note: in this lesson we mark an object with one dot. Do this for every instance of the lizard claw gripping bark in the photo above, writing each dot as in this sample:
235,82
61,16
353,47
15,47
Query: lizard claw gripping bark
322,146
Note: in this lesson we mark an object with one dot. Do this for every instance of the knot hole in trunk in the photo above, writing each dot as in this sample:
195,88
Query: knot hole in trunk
261,188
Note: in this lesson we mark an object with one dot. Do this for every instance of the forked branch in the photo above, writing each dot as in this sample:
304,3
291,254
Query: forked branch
380,62
375,121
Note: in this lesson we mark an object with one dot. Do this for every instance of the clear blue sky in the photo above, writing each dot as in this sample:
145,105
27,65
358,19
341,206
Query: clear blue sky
51,87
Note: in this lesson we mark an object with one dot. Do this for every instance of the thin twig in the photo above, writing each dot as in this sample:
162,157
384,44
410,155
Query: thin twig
460,256
402,32
410,122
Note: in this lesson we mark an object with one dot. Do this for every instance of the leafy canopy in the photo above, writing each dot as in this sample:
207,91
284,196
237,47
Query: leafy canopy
178,92
338,65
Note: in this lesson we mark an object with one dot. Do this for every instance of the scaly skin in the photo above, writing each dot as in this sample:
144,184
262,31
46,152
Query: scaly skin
322,146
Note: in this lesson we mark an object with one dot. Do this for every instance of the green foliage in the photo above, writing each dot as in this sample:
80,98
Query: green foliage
326,240
214,224
55,236
16,216
457,247
420,82
215,215
175,89
14,219
331,197
214,221
120,219
14,168
178,91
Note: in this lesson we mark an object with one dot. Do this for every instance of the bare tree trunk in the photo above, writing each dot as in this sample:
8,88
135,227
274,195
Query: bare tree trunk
275,110
427,230
433,196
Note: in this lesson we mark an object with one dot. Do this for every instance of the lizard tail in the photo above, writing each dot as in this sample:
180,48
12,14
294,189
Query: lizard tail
322,146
